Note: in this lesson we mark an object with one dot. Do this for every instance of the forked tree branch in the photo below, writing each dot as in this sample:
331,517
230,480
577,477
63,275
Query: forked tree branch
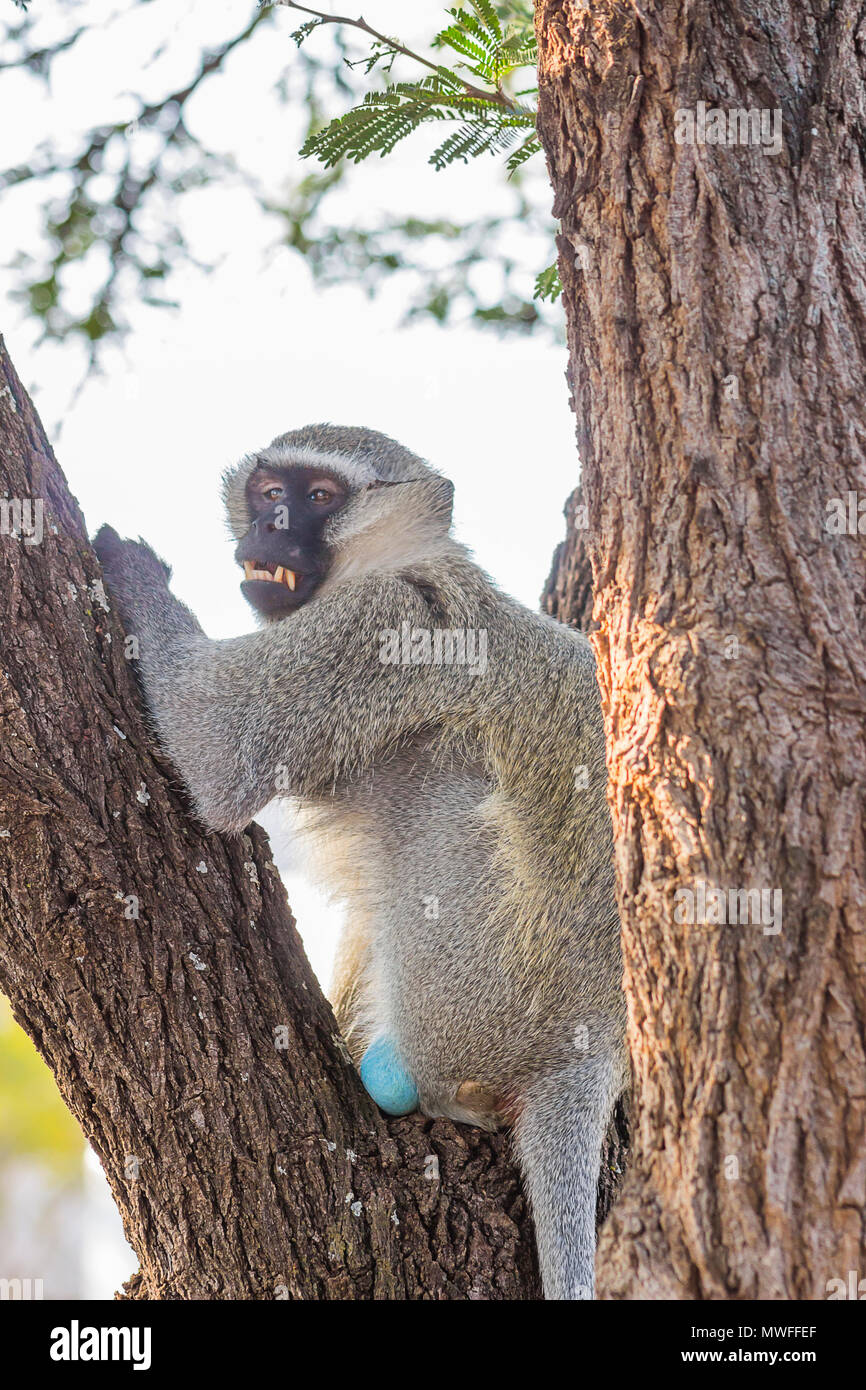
158,970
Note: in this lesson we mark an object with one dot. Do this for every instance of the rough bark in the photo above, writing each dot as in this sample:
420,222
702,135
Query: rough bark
568,594
716,306
192,1041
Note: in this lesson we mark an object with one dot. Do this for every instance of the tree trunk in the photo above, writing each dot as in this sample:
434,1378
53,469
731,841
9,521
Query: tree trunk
159,973
716,308
568,594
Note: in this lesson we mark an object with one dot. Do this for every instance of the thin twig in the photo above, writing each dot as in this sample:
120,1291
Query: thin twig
485,94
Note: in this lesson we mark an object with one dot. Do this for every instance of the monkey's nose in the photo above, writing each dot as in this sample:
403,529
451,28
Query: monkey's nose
270,522
290,553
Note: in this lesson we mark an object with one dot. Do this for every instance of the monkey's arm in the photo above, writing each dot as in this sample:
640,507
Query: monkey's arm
294,708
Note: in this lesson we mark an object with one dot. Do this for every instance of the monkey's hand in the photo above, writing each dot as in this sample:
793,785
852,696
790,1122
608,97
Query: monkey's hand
128,566
137,581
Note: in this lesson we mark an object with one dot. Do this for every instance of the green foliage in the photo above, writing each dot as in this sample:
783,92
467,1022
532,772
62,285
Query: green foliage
35,1120
548,284
438,287
474,93
77,223
110,196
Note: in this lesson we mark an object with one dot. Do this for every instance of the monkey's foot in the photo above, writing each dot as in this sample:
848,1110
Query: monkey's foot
386,1079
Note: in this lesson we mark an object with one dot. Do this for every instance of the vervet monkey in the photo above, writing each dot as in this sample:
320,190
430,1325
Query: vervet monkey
441,748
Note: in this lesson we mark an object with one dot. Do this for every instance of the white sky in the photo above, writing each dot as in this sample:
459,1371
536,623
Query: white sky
257,349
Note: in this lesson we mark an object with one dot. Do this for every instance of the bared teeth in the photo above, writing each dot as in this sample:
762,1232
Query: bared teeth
280,576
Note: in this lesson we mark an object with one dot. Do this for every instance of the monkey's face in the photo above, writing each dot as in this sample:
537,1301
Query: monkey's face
284,554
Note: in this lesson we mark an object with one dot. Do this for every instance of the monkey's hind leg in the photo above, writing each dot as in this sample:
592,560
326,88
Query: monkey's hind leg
558,1138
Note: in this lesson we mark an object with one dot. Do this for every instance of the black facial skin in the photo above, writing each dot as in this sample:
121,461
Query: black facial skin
289,507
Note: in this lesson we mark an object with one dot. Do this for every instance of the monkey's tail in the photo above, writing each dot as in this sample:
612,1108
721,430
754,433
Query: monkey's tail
558,1139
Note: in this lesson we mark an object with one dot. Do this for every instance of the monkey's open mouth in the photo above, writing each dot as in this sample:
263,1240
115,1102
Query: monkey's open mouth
277,574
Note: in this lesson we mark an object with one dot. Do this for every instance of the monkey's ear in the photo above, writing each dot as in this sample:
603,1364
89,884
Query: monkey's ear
443,494
435,493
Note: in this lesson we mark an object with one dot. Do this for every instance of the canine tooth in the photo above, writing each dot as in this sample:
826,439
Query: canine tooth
248,569
278,574
290,578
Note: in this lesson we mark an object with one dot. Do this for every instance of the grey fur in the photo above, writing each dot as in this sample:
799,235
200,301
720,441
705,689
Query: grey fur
460,816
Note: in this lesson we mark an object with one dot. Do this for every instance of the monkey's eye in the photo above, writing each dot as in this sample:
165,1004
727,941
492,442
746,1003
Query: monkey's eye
272,493
320,495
